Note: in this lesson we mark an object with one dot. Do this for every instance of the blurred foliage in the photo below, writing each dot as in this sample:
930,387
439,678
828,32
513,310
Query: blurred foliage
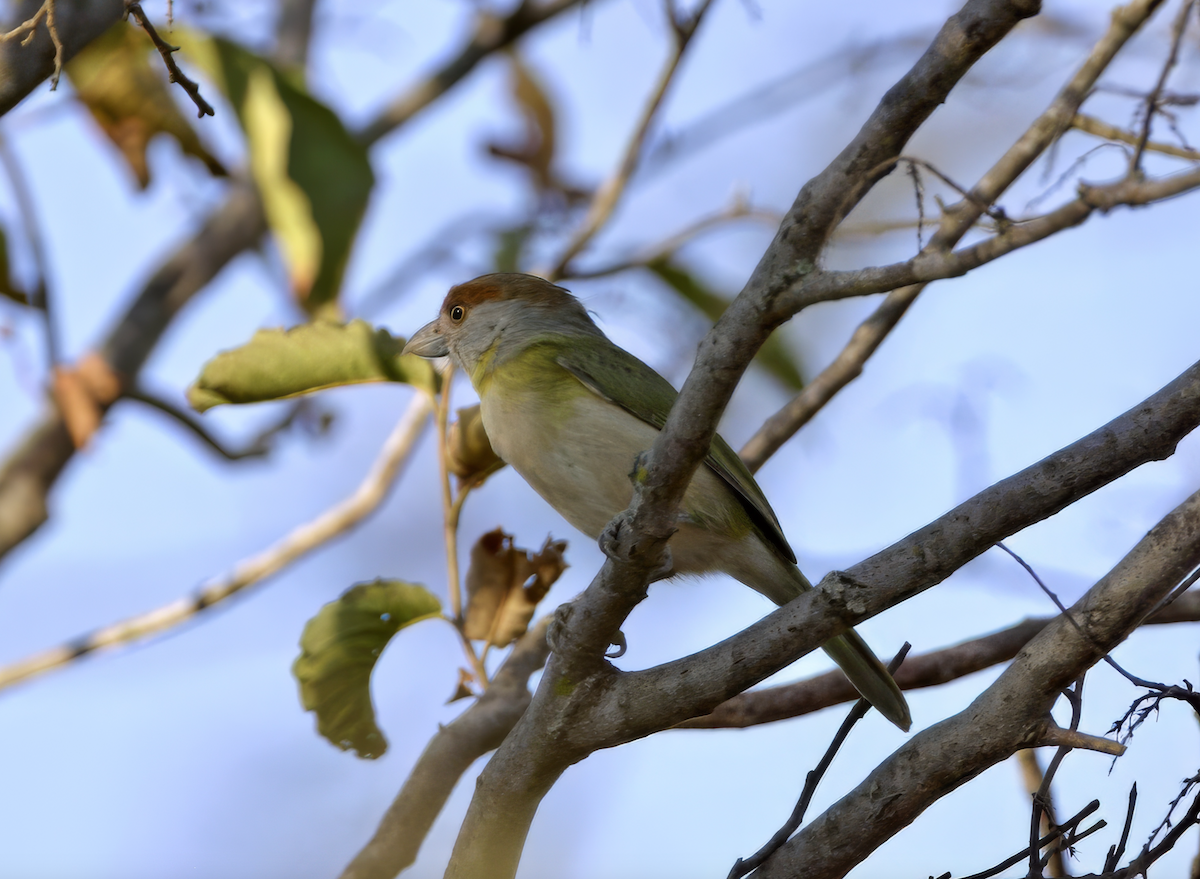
315,178
119,79
279,363
773,356
338,651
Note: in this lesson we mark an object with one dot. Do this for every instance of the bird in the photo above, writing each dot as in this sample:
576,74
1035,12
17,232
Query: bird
570,411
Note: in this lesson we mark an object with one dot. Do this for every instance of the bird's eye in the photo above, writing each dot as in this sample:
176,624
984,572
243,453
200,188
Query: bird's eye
457,313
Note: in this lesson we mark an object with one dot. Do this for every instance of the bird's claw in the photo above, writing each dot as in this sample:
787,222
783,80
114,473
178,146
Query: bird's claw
618,641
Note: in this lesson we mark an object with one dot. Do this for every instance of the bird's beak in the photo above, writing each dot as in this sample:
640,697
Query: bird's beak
427,342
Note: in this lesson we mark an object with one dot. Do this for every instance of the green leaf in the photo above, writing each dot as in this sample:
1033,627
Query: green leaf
315,178
280,363
338,651
773,356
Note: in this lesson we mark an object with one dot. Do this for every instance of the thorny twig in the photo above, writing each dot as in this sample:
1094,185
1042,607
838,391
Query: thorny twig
203,107
1066,836
29,28
861,707
1139,710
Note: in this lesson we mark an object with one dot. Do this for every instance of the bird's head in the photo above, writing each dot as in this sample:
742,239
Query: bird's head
499,315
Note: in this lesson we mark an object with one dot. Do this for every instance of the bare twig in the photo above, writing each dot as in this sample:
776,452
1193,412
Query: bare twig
1060,838
1152,100
301,541
738,210
858,712
39,297
174,74
258,446
1116,852
490,35
29,27
1034,777
604,202
1099,128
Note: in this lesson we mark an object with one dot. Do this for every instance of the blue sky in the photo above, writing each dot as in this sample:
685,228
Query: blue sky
190,755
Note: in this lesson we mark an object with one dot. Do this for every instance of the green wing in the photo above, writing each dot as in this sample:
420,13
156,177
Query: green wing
588,360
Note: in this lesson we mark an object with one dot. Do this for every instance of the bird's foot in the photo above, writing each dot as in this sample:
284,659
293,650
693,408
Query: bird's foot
620,643
614,543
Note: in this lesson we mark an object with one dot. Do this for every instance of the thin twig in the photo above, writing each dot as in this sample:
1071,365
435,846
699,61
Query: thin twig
174,74
1100,128
1116,852
259,446
1152,100
450,510
301,541
39,297
604,202
738,210
861,707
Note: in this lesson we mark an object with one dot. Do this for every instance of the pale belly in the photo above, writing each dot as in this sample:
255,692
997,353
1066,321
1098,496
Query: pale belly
580,464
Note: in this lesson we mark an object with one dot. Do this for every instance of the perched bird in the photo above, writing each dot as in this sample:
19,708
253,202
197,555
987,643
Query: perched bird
570,411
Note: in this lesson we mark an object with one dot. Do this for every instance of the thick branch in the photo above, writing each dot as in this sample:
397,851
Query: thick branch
924,670
1010,715
905,284
479,729
572,716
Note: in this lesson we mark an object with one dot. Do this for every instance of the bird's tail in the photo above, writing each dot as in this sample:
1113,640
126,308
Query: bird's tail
869,676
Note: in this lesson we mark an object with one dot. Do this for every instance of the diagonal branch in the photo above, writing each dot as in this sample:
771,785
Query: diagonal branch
479,729
924,670
1011,714
302,540
33,466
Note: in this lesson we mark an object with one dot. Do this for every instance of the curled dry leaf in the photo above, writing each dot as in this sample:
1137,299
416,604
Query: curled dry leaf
469,452
505,584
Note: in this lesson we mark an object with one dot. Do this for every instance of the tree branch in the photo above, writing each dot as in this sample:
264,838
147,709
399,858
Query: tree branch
924,670
605,200
301,541
903,285
1010,715
479,729
491,34
33,466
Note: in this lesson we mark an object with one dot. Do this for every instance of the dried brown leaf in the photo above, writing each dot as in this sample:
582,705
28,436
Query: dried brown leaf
505,584
469,452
